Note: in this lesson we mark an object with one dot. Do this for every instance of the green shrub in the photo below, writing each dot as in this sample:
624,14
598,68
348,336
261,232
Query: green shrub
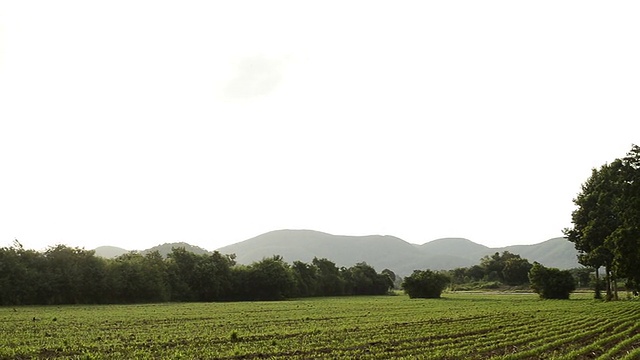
551,283
425,284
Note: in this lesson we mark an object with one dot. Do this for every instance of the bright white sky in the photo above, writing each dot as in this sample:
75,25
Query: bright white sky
135,123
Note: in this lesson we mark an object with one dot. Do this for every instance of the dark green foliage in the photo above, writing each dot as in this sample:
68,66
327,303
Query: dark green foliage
425,284
551,283
497,269
516,271
330,283
64,275
507,268
363,280
583,277
606,222
396,280
234,336
306,279
134,278
390,274
17,268
476,273
270,279
72,276
198,277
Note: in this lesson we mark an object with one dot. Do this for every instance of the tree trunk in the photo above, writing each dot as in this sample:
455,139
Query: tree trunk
607,273
598,294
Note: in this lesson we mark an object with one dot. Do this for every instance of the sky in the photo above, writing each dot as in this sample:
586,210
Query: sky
136,123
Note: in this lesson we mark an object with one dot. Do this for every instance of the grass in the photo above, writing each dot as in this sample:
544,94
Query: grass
471,326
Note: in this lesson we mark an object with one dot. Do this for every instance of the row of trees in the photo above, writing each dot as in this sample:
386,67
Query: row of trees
508,268
64,275
606,222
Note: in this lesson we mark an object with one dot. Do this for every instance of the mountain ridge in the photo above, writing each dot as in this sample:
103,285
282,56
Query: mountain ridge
379,251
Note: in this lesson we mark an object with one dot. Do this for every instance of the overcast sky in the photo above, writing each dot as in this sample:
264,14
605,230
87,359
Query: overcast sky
135,123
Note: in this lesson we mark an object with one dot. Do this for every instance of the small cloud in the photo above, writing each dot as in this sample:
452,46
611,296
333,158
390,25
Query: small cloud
254,76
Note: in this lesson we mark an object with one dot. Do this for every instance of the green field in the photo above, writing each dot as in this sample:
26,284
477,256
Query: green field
458,326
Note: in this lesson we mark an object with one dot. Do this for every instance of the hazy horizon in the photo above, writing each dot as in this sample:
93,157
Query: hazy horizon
139,123
362,235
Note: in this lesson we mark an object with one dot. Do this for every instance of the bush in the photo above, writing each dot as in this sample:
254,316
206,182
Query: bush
425,284
490,285
551,283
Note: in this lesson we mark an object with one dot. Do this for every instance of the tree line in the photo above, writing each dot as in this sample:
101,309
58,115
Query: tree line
606,223
506,268
495,270
65,275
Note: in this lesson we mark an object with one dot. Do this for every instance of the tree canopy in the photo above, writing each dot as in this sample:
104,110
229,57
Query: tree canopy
425,284
606,221
551,283
65,275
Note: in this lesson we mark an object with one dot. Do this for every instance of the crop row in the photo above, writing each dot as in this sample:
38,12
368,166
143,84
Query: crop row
458,326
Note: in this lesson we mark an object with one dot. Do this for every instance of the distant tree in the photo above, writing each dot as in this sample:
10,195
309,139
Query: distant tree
306,279
516,271
270,279
390,274
395,279
212,278
551,283
476,273
73,276
182,273
459,275
20,276
582,276
493,265
137,278
240,284
425,284
330,283
363,280
507,268
156,278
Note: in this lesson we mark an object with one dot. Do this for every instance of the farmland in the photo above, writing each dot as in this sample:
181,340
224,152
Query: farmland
470,326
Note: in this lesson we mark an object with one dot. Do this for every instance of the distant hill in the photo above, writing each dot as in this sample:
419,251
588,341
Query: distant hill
556,252
109,252
165,249
381,252
391,252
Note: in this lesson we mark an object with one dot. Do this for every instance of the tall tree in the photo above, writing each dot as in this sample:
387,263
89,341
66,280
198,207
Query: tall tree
626,238
606,222
594,220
